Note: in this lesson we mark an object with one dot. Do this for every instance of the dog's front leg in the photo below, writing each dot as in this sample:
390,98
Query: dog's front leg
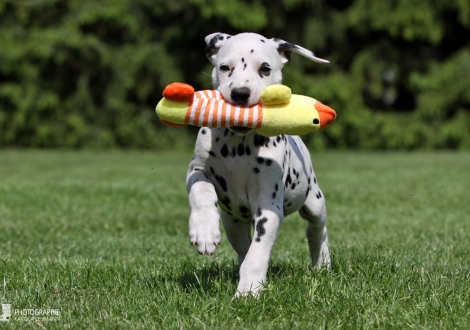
204,220
267,219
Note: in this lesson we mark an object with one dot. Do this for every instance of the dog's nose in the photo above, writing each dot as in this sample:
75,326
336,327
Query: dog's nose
240,95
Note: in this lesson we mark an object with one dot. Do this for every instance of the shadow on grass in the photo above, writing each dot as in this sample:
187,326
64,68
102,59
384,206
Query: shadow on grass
207,277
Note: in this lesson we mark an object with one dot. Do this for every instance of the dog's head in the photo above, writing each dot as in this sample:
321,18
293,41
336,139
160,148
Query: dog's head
247,63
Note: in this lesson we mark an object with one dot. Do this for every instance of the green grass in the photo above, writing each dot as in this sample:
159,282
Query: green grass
102,236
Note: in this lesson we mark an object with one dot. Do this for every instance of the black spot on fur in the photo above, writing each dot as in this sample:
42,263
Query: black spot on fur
318,195
278,139
243,60
315,180
288,180
210,48
260,230
243,209
293,186
256,170
247,151
215,204
258,212
260,140
203,131
265,161
212,170
222,182
262,40
217,139
231,72
276,187
224,151
252,51
212,153
244,67
274,194
226,203
234,152
286,49
241,149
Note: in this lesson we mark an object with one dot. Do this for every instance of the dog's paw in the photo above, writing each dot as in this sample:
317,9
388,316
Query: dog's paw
204,233
251,290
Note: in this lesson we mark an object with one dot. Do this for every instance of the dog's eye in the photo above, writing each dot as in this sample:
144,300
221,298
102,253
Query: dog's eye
265,70
224,68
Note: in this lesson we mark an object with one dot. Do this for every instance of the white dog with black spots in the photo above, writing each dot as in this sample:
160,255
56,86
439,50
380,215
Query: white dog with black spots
256,180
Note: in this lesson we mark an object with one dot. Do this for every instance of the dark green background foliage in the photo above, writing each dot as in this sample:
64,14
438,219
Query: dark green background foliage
88,73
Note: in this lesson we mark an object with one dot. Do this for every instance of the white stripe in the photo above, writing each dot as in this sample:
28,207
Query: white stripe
237,114
255,116
245,117
219,115
227,115
211,110
203,109
199,95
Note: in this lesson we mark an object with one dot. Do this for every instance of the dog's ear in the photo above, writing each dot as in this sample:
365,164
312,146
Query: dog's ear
213,42
285,49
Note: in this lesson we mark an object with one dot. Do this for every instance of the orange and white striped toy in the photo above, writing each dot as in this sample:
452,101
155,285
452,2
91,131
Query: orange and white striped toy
279,112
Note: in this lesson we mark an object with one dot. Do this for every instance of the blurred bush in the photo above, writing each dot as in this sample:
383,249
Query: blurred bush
88,73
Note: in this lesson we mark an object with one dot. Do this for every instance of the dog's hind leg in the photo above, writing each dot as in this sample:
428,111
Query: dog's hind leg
314,211
238,234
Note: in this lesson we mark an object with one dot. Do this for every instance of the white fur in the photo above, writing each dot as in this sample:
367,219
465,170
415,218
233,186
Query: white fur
256,181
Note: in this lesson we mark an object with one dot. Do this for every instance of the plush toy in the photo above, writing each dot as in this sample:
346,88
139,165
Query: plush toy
279,112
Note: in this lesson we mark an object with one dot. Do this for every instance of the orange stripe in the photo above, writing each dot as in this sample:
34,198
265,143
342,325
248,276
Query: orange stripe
250,116
232,117
206,115
198,112
224,110
260,117
241,115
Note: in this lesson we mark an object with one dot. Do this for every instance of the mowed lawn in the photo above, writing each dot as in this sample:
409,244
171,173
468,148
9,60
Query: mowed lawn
102,237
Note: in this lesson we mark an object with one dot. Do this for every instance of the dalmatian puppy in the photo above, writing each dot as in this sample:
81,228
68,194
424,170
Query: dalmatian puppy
255,180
